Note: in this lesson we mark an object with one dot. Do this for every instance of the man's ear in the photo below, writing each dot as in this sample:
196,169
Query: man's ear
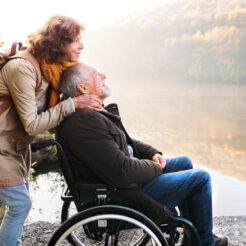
82,88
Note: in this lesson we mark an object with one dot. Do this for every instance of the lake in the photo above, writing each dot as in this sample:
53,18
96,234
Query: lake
206,122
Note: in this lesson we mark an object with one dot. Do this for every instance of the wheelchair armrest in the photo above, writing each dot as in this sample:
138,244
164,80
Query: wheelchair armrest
96,186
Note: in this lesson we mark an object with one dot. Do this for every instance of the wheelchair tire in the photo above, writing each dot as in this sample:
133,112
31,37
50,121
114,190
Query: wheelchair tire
116,223
68,210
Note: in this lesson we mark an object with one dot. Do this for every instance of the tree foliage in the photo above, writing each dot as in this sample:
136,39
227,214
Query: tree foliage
202,41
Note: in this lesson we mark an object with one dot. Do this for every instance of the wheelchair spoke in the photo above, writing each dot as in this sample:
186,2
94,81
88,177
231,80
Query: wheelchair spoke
107,238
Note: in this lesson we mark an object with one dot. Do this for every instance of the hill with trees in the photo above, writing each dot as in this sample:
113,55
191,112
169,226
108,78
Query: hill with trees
186,40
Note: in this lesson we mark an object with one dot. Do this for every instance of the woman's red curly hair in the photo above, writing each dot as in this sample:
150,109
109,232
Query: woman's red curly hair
51,40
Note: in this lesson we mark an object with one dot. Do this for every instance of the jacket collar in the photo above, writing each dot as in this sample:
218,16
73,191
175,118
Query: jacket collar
111,111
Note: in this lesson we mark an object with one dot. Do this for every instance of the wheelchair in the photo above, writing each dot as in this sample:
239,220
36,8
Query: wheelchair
93,215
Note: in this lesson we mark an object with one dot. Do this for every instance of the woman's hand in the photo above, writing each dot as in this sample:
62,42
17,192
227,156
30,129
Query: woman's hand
159,159
87,101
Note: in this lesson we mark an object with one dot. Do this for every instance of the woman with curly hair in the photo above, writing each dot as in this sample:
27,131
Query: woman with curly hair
28,108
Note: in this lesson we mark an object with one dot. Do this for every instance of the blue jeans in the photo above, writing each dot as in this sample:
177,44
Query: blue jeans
19,204
190,189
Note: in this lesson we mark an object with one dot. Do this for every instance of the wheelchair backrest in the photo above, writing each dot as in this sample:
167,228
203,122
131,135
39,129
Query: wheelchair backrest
67,167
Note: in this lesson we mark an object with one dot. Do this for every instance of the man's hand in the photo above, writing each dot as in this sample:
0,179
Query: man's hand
159,159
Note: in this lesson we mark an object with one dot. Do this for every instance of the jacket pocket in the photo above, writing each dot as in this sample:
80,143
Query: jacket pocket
119,137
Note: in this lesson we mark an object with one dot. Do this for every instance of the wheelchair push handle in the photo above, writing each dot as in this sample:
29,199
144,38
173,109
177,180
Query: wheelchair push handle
42,144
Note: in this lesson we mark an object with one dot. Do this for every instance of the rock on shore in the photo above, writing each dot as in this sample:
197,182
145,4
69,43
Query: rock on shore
234,227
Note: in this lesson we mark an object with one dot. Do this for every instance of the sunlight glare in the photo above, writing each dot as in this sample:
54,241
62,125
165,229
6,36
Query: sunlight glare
28,15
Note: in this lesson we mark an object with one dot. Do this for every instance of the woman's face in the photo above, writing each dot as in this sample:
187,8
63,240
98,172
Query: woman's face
74,49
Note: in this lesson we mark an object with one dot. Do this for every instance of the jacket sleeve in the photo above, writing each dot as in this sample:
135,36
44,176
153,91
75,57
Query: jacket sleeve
90,141
20,77
144,150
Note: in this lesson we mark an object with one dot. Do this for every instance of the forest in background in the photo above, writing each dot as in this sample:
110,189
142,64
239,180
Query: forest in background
184,41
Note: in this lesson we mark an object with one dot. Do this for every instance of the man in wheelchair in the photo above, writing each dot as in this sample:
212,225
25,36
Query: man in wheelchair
103,151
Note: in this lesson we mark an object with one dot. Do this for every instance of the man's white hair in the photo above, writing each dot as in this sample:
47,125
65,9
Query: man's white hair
69,80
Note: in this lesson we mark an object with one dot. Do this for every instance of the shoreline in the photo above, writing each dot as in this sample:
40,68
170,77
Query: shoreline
234,227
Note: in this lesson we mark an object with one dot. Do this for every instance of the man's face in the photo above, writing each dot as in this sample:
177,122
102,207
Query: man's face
96,84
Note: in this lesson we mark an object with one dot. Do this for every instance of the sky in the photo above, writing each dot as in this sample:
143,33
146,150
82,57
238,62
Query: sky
26,16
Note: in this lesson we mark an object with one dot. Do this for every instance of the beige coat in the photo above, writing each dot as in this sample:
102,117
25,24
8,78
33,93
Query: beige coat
24,119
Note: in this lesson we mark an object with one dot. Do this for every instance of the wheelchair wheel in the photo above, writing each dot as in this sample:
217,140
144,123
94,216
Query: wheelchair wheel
116,225
68,210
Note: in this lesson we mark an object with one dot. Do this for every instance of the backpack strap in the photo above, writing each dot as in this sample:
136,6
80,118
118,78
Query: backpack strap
29,57
16,46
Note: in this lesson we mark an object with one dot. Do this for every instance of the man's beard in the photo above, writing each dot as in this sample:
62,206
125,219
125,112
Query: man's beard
106,92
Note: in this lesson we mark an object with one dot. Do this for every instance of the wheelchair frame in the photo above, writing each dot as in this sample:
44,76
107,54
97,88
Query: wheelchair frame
102,209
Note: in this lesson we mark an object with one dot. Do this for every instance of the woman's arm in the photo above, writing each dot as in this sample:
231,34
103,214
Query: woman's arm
20,78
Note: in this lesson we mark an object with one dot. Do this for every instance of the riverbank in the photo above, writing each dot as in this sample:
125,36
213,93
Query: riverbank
234,227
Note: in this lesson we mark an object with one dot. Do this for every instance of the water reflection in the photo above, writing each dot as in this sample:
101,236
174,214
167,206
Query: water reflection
204,121
45,194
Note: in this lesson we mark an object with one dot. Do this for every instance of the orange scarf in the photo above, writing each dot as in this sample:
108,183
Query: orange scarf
52,73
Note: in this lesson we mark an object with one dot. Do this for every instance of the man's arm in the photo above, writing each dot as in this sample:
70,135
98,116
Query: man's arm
145,151
91,140
148,152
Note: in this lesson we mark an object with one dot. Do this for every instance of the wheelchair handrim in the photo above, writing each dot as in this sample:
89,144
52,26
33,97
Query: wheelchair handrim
109,216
